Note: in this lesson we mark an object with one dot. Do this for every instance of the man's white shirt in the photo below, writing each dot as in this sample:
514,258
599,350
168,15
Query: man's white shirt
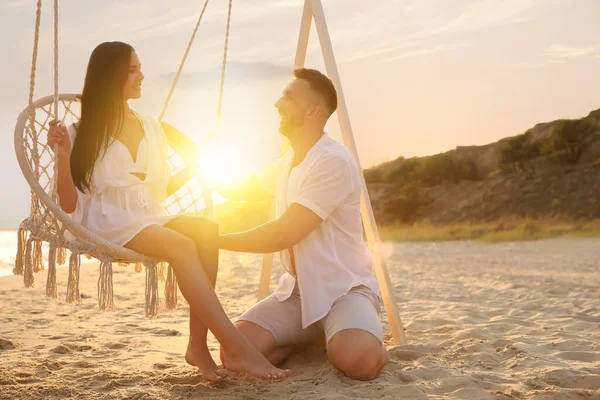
333,258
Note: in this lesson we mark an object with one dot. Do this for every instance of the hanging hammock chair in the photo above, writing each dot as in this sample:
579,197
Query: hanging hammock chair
48,223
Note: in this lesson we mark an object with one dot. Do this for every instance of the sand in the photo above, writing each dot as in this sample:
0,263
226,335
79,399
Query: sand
509,321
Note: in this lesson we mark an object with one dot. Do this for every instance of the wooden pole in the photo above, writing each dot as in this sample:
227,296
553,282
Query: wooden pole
389,298
314,8
267,265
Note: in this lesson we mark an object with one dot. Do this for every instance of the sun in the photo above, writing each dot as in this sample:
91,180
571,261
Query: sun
220,163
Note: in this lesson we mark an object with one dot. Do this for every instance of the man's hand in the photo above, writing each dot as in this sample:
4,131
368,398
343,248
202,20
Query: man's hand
286,231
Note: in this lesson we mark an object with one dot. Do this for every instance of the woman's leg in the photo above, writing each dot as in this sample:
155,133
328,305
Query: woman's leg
205,233
181,252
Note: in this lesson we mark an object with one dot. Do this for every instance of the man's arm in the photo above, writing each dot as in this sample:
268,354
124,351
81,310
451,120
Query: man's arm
187,149
181,143
286,231
326,187
178,180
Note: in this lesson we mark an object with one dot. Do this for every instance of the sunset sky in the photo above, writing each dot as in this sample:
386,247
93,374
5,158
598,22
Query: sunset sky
420,76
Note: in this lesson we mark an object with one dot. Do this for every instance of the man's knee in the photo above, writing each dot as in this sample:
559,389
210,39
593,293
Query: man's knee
258,336
358,354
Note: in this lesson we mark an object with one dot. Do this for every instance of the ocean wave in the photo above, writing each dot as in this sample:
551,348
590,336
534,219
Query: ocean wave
6,268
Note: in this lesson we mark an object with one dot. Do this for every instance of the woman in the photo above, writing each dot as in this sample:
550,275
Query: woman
113,177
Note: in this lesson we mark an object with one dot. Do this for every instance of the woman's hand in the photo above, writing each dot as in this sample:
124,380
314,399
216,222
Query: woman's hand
58,135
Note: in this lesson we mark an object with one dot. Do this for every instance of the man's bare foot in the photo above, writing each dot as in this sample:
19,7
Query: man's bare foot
250,361
201,358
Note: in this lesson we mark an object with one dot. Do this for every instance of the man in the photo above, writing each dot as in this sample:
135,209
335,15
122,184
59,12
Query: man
329,288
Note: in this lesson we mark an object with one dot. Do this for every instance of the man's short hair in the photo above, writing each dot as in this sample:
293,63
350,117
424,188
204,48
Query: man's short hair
321,84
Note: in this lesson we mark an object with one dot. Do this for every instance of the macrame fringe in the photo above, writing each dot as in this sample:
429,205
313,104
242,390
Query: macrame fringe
38,256
20,257
61,255
105,286
28,270
138,267
51,290
73,296
162,269
151,290
171,289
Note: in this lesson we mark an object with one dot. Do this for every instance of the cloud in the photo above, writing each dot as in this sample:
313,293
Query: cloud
168,19
405,50
418,52
483,14
236,72
559,51
422,28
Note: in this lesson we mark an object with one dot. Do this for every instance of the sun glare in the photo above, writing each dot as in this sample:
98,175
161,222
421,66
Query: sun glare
222,163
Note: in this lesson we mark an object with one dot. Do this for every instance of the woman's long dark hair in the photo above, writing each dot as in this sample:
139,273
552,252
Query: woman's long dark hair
102,107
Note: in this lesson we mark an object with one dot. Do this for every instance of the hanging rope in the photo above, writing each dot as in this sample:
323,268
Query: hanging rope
55,188
208,195
56,59
185,55
210,208
223,67
36,40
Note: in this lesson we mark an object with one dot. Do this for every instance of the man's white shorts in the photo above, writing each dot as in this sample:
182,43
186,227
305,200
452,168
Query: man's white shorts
358,309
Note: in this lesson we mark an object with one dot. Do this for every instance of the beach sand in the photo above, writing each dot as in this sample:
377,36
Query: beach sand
508,321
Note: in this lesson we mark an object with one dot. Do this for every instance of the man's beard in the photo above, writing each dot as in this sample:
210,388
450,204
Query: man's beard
291,124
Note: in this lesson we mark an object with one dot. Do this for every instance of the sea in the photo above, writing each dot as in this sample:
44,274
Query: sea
8,251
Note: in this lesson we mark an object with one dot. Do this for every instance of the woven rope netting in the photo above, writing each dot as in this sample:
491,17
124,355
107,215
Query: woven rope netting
48,223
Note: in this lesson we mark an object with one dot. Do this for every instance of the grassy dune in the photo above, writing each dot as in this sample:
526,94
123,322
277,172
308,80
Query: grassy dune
499,231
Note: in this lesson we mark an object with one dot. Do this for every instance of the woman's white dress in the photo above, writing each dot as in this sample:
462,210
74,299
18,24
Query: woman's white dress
120,204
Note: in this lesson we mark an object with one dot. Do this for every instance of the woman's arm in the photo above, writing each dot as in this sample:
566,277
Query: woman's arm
67,193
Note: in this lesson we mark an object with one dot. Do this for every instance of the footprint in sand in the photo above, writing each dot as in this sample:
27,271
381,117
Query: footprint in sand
182,380
83,364
116,346
163,366
52,365
59,337
6,344
571,379
411,352
582,356
166,332
41,321
67,348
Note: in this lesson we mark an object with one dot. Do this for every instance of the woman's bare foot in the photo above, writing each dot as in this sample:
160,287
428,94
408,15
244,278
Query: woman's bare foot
200,357
249,360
